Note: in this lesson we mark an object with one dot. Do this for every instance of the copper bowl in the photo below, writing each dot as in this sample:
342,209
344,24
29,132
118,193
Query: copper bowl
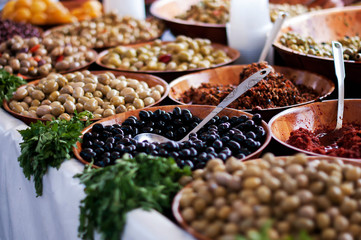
323,26
176,201
230,75
167,10
311,117
149,79
169,75
197,110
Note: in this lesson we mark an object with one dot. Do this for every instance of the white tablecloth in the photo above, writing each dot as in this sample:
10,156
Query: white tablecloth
55,214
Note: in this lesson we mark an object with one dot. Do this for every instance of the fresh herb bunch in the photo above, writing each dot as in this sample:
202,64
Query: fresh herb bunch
145,181
49,144
8,84
263,234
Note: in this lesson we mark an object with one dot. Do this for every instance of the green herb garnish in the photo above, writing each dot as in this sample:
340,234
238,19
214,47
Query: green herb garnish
145,181
8,84
48,144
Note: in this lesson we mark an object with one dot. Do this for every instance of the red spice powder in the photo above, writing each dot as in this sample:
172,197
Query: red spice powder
347,145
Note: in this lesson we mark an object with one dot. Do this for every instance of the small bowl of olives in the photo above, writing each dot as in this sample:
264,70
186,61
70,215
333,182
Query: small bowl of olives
103,93
168,59
305,42
33,58
231,133
314,196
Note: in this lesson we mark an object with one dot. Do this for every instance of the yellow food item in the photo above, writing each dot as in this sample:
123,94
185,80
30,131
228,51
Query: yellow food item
39,18
42,12
38,7
22,15
22,4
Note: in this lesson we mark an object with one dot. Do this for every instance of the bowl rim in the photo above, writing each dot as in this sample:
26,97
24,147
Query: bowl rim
77,147
300,18
102,54
155,5
96,72
285,112
320,98
176,200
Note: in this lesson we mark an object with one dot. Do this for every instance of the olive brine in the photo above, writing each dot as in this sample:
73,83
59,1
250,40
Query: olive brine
221,137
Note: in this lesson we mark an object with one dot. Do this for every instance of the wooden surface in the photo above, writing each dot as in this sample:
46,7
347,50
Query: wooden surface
196,110
313,116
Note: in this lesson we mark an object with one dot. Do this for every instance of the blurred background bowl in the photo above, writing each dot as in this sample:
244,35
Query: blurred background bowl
231,75
167,10
323,26
311,117
197,110
170,75
149,79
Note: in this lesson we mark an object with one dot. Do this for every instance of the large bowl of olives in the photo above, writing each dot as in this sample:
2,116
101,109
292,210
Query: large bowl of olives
231,133
304,41
103,93
317,197
168,59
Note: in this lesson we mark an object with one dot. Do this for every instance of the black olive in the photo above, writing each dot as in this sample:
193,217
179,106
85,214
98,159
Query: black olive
87,144
157,131
119,136
189,163
110,140
116,125
210,150
257,118
157,113
105,154
211,138
108,147
163,152
108,128
175,155
130,121
144,115
148,129
177,122
87,136
193,152
100,163
217,145
251,143
97,143
251,135
224,119
242,119
245,151
202,156
99,151
249,123
240,156
181,130
127,129
125,141
225,139
187,116
169,127
233,120
239,137
154,153
171,145
224,126
169,135
222,156
115,155
129,149
117,131
233,145
166,117
194,124
177,111
97,127
149,124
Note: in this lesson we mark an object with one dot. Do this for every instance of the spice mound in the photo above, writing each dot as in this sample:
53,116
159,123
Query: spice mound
275,90
347,145
294,197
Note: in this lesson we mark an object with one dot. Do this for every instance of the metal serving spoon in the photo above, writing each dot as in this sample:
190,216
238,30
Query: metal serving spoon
329,138
236,93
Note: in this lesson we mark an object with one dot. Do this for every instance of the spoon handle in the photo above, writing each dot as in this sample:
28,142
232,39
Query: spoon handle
272,35
340,74
238,91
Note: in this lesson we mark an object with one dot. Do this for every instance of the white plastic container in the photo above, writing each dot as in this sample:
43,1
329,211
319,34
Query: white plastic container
133,8
248,27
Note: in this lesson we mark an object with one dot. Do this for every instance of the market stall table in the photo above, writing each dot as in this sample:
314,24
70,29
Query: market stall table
55,215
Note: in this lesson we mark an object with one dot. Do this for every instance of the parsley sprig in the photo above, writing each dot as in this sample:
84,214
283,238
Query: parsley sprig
8,84
145,181
48,145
